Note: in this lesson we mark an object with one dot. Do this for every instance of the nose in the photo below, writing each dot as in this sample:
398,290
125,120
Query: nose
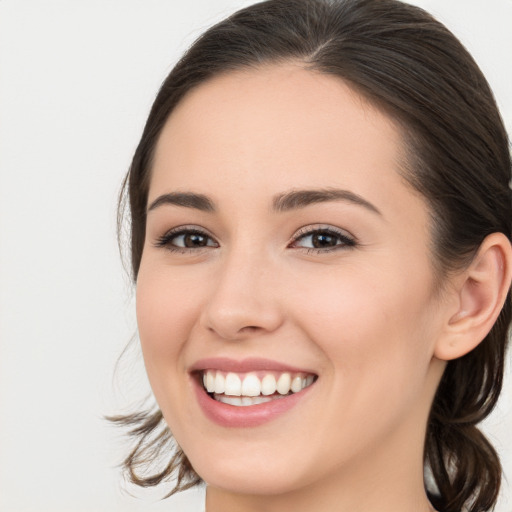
243,300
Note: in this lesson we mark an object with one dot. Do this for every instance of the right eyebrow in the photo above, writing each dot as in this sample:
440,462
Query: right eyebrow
185,199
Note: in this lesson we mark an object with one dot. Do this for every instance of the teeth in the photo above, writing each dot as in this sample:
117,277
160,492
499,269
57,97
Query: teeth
251,386
210,382
296,385
242,401
249,389
233,385
219,383
268,385
284,383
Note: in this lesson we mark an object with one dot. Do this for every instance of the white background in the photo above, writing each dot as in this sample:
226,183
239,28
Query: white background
76,81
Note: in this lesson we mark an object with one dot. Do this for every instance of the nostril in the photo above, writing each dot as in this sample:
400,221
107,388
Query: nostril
235,310
234,332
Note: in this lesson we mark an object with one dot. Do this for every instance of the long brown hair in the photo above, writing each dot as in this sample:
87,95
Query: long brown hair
409,65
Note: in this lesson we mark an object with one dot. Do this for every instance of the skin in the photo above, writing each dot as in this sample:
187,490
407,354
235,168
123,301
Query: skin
366,318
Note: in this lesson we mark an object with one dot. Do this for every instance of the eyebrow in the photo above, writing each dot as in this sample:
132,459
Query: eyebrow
293,200
301,198
185,199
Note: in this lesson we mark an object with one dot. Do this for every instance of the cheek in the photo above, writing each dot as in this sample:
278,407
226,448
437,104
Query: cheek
375,329
166,311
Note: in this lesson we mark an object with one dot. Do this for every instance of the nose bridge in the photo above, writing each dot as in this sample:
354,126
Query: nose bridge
242,299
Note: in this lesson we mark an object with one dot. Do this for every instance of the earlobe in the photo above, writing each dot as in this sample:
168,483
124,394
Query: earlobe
481,292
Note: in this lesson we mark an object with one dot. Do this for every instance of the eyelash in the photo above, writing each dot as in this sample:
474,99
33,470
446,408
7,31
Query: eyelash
166,239
346,240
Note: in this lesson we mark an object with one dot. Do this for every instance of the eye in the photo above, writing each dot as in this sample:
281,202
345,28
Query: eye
185,239
322,239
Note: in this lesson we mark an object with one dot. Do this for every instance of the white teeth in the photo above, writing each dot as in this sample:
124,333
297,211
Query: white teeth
233,385
210,382
284,383
251,385
268,385
219,383
249,389
296,385
242,401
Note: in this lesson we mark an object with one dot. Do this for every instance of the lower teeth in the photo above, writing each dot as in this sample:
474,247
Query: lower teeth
244,401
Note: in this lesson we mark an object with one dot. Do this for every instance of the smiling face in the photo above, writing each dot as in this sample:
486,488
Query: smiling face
282,243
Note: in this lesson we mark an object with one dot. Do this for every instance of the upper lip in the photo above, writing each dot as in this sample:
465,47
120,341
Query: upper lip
250,364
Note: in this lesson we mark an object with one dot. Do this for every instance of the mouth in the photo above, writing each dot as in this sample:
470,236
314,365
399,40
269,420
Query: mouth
253,388
248,393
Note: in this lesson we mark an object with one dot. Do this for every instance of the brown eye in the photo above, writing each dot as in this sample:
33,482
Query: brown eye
186,239
323,240
194,240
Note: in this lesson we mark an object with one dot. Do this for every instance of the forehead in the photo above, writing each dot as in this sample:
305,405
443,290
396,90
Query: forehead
276,127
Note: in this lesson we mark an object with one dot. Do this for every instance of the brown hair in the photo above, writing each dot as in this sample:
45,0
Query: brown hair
408,64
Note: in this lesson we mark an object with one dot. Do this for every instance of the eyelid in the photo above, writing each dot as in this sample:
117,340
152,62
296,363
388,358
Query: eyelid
347,238
165,239
312,228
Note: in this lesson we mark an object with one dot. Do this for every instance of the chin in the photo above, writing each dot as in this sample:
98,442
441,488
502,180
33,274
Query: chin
262,473
252,481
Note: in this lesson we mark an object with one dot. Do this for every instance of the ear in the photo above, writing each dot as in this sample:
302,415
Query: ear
479,292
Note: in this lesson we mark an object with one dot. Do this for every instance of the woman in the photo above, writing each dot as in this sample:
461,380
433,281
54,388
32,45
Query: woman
320,237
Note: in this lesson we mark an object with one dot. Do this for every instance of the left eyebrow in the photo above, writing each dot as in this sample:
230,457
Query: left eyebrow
301,198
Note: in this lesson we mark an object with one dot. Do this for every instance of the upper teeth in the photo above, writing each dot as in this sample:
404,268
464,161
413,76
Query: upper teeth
252,384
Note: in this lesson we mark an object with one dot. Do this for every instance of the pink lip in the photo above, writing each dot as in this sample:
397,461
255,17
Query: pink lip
251,416
227,415
252,364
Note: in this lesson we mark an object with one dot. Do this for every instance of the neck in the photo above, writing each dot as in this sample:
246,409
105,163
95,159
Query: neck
329,500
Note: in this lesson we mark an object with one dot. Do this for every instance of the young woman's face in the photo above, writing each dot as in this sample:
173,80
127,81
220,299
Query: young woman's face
284,248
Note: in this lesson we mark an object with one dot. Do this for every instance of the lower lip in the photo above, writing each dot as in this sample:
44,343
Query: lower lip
246,416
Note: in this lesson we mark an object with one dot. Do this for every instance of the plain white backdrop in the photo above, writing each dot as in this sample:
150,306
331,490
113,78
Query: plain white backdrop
77,79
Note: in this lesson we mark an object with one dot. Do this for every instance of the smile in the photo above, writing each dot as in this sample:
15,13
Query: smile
254,388
248,393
